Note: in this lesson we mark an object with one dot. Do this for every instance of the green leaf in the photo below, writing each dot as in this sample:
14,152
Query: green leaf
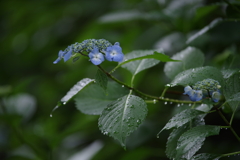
176,133
122,117
228,73
231,90
206,156
158,56
172,141
193,139
76,88
190,58
101,79
235,97
73,91
93,99
137,66
182,118
204,30
191,76
75,59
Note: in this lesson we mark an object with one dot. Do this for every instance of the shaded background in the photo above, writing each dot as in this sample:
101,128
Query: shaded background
32,33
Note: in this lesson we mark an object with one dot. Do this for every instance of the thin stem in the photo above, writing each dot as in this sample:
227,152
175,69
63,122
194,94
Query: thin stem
233,114
143,94
230,154
164,91
224,126
226,121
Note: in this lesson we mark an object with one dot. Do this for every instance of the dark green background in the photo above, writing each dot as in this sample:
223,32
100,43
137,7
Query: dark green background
32,33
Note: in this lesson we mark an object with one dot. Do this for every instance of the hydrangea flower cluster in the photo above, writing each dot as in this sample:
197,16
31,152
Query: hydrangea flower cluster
96,49
201,89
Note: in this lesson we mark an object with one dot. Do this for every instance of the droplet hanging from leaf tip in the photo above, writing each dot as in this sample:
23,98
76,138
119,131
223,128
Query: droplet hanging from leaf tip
53,110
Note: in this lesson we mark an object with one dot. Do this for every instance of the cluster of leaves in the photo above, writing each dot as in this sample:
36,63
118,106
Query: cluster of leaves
31,85
121,112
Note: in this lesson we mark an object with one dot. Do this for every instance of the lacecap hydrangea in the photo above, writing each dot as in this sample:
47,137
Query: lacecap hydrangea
205,88
97,50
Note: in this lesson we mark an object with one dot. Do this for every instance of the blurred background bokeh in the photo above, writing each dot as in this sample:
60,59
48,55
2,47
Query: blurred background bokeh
32,33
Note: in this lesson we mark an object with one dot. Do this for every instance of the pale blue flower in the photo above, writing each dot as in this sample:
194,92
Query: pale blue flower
216,96
96,57
194,95
114,53
64,55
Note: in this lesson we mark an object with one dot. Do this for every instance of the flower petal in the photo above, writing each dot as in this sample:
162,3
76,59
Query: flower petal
68,55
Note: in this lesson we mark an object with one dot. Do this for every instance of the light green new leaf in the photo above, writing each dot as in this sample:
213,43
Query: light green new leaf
182,118
190,58
73,91
158,56
206,156
122,117
93,99
193,139
191,76
101,79
137,66
232,89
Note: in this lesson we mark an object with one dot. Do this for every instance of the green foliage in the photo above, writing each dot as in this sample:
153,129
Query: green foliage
202,39
139,65
206,156
191,76
93,99
101,79
191,141
231,90
190,58
182,118
120,118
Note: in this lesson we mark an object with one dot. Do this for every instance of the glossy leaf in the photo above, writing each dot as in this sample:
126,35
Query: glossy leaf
191,76
228,73
73,91
176,133
206,156
193,139
182,118
190,58
93,99
101,79
122,117
137,66
232,89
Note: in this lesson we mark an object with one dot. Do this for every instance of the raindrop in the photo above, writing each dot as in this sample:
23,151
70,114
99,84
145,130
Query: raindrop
138,121
154,101
50,115
105,133
157,136
182,104
64,103
165,103
171,102
189,104
122,85
168,85
178,105
193,69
